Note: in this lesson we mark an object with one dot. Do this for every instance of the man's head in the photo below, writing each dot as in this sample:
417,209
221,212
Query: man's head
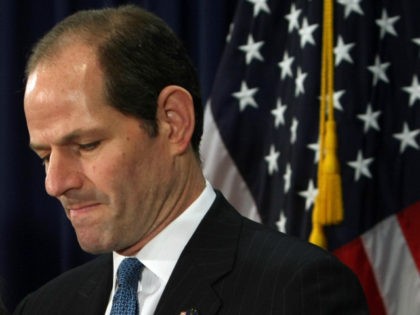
139,55
114,123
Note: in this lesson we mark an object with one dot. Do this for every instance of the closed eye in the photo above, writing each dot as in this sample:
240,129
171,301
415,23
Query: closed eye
89,146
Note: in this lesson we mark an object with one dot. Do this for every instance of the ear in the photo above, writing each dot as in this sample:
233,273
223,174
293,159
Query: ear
176,117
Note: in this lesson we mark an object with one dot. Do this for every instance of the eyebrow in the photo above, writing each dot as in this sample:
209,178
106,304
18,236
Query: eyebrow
69,138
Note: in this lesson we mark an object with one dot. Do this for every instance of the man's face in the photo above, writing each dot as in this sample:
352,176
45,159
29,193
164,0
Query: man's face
111,177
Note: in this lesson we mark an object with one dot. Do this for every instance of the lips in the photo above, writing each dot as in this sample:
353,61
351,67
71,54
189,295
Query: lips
81,207
81,210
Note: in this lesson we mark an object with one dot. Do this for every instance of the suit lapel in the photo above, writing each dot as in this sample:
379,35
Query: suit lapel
208,256
93,295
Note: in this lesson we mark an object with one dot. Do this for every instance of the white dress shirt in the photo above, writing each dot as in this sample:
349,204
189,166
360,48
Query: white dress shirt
160,255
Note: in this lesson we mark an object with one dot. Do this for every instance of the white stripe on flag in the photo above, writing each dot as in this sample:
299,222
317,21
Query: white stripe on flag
394,268
221,171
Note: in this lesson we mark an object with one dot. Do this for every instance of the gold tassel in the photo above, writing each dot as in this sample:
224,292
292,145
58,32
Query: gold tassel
328,207
330,199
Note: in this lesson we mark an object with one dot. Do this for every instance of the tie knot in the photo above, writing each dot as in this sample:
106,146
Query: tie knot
128,273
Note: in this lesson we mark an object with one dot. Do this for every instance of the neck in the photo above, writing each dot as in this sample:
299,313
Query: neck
183,190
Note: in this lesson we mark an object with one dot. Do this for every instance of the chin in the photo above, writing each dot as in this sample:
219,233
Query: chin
95,247
95,250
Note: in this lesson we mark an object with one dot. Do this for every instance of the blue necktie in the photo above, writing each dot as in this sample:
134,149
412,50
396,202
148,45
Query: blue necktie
125,298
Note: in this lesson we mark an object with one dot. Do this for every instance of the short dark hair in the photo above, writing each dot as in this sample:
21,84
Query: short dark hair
139,55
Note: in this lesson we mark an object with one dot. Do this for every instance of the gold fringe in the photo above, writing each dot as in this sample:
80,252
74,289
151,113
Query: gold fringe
328,207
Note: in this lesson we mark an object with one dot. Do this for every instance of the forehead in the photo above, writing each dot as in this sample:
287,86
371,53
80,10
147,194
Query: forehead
65,90
72,70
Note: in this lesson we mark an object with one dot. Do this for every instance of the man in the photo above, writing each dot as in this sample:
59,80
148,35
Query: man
113,109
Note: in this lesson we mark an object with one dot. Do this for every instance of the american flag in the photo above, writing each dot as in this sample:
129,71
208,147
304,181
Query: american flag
261,143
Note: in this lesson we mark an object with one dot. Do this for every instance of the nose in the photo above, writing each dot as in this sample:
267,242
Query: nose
62,174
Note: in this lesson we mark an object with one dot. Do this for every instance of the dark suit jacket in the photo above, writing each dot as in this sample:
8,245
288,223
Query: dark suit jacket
231,266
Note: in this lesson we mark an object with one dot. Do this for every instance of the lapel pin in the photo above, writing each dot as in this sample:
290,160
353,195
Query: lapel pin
191,311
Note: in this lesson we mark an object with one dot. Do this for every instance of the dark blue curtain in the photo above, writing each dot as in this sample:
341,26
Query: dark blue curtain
36,240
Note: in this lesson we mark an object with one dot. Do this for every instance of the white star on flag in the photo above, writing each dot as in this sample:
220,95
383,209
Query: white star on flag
293,18
407,138
351,6
271,159
252,50
286,66
305,33
370,118
278,113
386,24
287,177
342,51
413,90
260,5
293,130
281,223
361,166
336,98
300,78
310,194
378,70
246,96
315,147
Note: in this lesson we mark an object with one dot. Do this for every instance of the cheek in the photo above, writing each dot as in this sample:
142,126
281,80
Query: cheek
108,169
125,167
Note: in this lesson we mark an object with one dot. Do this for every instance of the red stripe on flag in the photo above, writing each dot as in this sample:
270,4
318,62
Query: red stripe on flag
354,256
409,220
